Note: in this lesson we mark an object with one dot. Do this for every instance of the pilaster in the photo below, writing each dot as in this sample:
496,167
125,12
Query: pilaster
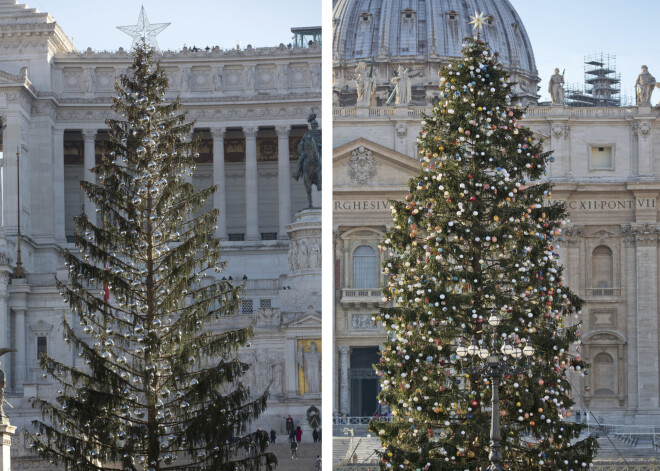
251,184
283,179
19,290
343,379
59,216
220,197
89,136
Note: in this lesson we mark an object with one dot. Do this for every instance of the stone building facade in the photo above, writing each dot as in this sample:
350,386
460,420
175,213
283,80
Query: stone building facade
607,170
250,106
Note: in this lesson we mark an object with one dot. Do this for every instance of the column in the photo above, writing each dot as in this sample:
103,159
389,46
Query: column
19,290
4,326
343,379
251,184
283,179
645,149
647,322
631,321
220,197
6,431
89,135
59,215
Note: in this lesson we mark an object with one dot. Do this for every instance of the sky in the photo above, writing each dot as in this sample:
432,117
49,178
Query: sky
201,23
562,32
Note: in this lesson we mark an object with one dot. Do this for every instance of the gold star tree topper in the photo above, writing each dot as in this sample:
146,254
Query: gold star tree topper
478,21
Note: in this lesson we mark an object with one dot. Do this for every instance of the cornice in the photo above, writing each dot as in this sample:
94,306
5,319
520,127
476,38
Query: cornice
214,54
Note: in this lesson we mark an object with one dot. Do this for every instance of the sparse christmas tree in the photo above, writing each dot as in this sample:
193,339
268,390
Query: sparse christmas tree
158,386
478,233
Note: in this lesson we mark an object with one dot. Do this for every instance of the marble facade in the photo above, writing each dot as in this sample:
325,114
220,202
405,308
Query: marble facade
607,170
250,107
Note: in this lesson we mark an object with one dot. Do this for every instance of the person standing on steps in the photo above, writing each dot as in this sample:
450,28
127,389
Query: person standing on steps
318,463
315,435
298,434
289,424
273,435
294,450
292,436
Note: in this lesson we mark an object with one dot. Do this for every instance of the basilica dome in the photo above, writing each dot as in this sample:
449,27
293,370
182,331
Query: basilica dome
416,32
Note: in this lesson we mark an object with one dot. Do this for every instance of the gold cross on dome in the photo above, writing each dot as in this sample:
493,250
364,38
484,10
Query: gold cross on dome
478,21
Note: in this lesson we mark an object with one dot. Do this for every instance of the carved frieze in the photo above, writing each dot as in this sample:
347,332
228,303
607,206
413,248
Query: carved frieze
299,76
363,322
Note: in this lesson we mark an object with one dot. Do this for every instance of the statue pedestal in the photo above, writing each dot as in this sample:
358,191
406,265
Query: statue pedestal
304,280
6,431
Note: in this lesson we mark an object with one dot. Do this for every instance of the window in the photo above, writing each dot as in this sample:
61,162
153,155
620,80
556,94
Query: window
452,15
601,158
42,346
602,270
365,267
247,306
265,303
604,375
236,236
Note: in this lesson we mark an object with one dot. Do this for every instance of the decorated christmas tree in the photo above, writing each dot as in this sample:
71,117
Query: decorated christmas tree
157,382
475,237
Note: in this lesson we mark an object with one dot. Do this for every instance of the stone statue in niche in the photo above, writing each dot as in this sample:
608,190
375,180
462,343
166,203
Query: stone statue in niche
310,362
556,88
185,80
316,76
277,372
262,372
302,254
249,79
644,86
281,77
217,80
293,256
314,255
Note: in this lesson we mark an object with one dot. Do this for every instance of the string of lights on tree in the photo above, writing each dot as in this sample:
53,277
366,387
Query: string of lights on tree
477,236
157,382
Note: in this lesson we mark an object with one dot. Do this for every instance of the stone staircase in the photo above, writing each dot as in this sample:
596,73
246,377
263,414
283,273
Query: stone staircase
355,450
307,453
615,446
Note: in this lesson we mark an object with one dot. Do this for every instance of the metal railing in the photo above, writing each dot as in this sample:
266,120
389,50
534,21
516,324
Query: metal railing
603,291
361,293
532,112
359,420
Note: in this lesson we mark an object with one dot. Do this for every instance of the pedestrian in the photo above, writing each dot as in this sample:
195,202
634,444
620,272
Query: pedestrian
289,424
294,450
320,431
273,436
299,434
292,436
315,436
318,462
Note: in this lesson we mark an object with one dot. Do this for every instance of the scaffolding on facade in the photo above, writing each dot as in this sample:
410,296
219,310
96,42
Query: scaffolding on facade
601,84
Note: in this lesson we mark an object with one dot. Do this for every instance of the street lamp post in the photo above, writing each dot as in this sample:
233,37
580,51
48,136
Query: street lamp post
495,366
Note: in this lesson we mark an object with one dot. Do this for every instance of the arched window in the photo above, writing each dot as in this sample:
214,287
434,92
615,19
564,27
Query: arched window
602,267
604,375
365,267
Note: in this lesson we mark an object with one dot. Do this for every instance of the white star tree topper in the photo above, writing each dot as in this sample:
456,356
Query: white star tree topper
144,31
478,22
